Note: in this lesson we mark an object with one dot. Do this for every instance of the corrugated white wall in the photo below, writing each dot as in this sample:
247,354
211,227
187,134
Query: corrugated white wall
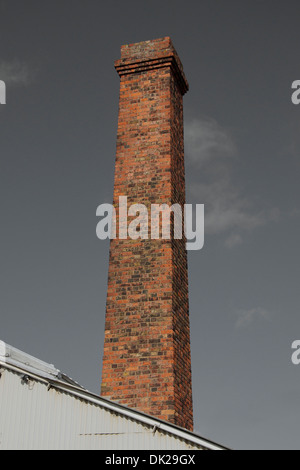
33,417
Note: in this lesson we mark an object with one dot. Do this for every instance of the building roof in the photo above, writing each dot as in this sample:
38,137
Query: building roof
13,357
35,369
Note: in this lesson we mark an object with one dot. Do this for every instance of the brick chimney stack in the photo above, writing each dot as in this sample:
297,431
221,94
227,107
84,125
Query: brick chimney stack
147,357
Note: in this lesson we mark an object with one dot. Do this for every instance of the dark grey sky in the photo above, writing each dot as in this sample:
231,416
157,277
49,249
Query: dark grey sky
57,150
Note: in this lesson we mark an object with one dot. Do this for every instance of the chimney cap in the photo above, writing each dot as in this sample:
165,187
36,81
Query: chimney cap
148,55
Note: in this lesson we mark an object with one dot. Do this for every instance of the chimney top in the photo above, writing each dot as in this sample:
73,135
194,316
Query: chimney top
153,54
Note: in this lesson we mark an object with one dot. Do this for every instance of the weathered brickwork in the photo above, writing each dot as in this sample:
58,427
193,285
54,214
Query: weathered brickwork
147,358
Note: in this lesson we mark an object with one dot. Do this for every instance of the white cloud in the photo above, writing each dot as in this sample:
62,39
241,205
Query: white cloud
295,212
16,73
212,152
226,209
233,240
246,318
205,140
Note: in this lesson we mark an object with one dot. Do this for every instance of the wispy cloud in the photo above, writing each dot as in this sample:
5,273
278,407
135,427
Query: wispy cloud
16,73
212,152
233,240
246,318
294,212
206,140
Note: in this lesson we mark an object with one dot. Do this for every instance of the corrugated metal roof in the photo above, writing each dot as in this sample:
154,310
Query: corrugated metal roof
41,408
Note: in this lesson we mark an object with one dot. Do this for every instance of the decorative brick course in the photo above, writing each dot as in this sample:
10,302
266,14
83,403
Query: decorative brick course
147,358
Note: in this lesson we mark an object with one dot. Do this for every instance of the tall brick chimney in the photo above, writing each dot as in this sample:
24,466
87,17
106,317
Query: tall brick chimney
147,358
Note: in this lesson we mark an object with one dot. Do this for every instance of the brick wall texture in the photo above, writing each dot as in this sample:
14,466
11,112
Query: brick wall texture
147,357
